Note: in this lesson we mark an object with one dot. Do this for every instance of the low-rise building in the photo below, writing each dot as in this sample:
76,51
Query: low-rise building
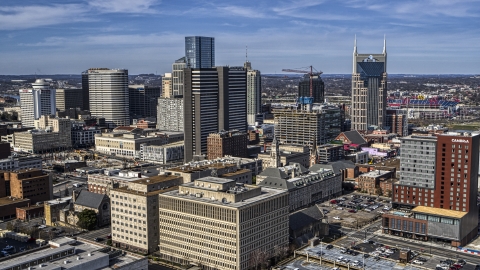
99,203
84,136
135,219
29,212
307,224
9,205
162,154
227,143
329,153
103,183
21,161
220,224
370,182
305,186
125,144
53,208
33,184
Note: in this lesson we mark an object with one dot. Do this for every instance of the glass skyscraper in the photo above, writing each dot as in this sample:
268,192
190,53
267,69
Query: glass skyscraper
200,52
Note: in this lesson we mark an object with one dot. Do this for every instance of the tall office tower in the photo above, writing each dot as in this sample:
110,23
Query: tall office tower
437,190
143,100
200,52
108,94
85,91
318,88
214,100
369,89
177,76
69,98
167,85
397,120
170,114
220,224
37,101
254,93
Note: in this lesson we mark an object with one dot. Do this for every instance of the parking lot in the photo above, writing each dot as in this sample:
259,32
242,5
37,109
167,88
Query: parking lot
354,211
100,235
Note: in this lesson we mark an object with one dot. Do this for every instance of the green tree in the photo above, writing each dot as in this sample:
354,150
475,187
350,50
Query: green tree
87,219
389,193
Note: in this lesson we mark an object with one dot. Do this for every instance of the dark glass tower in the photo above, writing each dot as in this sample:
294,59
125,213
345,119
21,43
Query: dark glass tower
318,88
200,52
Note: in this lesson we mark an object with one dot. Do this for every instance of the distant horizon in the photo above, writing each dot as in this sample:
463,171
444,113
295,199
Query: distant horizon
147,36
266,74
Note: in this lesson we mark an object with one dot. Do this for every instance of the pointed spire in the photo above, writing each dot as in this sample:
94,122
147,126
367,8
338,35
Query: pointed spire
384,44
355,45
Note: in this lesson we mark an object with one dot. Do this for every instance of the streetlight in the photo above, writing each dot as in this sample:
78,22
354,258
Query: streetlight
321,250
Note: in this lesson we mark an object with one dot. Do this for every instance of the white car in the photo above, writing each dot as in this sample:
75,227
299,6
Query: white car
42,227
417,262
337,218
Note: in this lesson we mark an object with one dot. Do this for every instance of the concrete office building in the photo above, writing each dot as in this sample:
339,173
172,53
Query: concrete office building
106,180
254,93
167,86
321,123
162,154
223,168
220,224
135,219
442,208
21,161
397,120
318,88
37,101
227,143
214,100
199,52
143,100
125,144
369,89
68,98
108,95
170,114
84,136
178,77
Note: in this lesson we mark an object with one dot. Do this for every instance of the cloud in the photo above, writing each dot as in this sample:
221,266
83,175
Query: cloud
245,12
124,6
23,17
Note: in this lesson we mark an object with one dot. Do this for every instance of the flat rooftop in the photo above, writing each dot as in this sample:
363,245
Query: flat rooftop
7,201
155,179
439,212
375,173
142,193
190,169
265,194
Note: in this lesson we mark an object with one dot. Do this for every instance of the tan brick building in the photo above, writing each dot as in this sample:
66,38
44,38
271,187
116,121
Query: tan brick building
219,168
216,223
33,184
135,212
370,182
8,207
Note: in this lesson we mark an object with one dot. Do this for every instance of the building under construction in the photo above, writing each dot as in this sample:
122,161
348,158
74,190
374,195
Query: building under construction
312,121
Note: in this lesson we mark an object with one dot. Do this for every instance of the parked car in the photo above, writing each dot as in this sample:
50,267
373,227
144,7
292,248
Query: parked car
4,254
417,262
337,218
352,211
329,247
98,239
333,201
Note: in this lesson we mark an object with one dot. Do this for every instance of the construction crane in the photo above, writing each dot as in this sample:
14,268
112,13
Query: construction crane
311,73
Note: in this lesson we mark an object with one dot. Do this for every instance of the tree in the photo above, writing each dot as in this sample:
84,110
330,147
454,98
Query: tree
379,191
389,193
87,219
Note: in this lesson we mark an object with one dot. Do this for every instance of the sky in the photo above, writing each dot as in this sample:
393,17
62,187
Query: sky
147,36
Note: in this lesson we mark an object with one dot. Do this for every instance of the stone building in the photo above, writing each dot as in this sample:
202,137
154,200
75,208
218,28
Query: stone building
216,223
135,219
100,203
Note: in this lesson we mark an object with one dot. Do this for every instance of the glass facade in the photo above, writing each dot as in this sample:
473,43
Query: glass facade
200,52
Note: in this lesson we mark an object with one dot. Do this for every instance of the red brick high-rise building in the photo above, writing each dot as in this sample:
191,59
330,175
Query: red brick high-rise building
437,189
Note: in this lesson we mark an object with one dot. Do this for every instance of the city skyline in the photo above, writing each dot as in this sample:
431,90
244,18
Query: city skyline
147,36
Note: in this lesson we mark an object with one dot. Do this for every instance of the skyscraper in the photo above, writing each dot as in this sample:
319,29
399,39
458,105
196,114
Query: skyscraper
178,77
369,89
108,94
214,100
37,101
200,52
318,88
254,93
143,100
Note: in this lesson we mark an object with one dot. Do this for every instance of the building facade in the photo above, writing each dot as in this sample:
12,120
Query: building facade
321,124
199,52
178,77
135,217
214,100
397,120
125,144
227,143
20,162
37,101
254,95
443,208
143,100
162,154
369,89
30,184
220,225
68,98
108,95
170,114
84,136
167,89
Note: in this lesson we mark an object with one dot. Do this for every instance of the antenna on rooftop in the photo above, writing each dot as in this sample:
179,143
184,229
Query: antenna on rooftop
246,53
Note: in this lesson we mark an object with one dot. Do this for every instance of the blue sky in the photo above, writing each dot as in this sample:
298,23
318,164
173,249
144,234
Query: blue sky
147,36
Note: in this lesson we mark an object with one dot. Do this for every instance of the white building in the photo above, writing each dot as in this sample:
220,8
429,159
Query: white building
20,162
254,95
162,153
84,135
37,101
170,114
108,95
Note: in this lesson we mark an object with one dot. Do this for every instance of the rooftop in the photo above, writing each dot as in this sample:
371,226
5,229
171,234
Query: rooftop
439,212
142,193
11,200
155,179
375,173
